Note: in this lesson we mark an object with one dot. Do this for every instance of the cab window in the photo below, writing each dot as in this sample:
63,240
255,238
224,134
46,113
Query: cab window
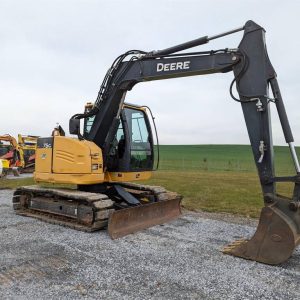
141,155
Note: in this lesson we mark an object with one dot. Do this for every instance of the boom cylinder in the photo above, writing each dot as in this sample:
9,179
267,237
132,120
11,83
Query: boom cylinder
180,47
193,43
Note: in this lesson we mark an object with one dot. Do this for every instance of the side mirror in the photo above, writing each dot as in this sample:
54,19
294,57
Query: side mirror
74,126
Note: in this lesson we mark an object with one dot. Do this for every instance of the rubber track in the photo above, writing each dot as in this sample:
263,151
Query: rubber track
99,203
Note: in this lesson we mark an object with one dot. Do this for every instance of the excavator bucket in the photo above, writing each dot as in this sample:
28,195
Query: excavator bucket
274,241
129,220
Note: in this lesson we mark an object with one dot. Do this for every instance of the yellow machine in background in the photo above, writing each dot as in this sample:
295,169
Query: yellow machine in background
11,155
4,167
18,156
27,144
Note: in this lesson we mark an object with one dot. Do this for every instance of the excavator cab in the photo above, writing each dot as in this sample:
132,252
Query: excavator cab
4,148
131,149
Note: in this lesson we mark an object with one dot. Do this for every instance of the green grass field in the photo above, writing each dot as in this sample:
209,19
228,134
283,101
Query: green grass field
212,158
215,178
218,178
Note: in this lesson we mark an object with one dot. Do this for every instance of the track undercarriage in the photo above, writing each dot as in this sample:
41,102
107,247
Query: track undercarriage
132,208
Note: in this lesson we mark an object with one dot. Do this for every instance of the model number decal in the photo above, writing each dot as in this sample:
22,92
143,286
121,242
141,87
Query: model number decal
181,65
47,145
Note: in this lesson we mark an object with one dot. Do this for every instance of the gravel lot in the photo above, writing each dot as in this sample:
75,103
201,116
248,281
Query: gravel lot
180,260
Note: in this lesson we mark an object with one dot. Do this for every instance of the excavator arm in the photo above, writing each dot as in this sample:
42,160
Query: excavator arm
279,228
147,69
253,75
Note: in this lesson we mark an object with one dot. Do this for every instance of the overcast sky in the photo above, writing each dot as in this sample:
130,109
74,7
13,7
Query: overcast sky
54,54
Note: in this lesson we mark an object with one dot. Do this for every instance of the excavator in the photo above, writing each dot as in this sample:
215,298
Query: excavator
28,145
17,156
115,147
10,155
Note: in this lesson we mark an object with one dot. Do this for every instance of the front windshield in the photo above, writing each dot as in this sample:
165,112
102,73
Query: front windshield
4,148
141,156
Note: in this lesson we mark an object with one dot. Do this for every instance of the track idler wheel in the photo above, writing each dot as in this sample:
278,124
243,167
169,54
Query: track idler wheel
274,241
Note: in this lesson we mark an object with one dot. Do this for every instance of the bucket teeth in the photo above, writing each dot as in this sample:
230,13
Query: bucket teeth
228,248
274,240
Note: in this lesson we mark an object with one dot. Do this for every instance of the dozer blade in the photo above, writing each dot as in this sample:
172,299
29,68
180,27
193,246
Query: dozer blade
129,220
273,242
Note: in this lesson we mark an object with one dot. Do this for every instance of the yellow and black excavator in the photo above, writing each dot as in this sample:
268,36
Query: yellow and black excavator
27,143
11,155
116,146
17,156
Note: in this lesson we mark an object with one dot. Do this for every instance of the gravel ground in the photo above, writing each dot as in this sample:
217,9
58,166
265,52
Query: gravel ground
179,260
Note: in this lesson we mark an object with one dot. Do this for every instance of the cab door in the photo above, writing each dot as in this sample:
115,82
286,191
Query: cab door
132,147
